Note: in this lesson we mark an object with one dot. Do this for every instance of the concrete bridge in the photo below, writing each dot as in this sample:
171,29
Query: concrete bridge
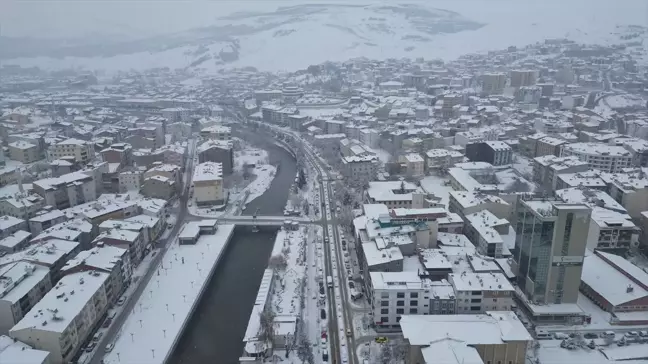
264,220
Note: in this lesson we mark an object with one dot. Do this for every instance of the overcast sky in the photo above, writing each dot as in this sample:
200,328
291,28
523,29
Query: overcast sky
140,18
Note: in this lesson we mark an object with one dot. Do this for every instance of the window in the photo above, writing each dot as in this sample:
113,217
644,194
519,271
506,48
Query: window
400,303
413,311
384,319
384,303
384,295
400,311
384,311
400,295
413,303
414,295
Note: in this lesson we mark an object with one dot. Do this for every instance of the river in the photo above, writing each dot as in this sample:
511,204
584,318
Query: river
215,331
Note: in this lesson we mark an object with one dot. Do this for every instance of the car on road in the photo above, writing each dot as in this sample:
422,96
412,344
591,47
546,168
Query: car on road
349,332
121,300
590,335
325,356
97,336
90,347
323,314
109,347
380,339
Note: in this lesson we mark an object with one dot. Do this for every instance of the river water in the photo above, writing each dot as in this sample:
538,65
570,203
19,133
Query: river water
215,332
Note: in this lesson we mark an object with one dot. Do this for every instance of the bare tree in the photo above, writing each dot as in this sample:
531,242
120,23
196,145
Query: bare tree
518,186
305,350
277,262
266,325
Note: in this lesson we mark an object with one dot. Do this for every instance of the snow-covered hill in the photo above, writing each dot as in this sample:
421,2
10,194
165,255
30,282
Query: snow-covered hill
294,37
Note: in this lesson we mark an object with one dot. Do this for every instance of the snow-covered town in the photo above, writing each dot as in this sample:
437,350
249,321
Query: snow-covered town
366,208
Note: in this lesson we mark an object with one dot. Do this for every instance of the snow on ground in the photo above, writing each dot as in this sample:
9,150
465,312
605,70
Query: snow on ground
371,31
550,352
623,101
166,303
523,165
263,178
382,154
438,186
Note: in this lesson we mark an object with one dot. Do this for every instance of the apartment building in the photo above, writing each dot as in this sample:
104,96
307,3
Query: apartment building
208,184
442,158
169,171
359,169
10,224
159,187
129,240
630,190
217,151
482,292
64,318
606,158
174,153
108,259
414,164
45,220
465,203
493,83
81,150
24,152
217,132
485,231
550,243
549,146
19,240
67,190
547,169
22,206
131,180
494,152
394,294
523,77
176,114
23,285
121,153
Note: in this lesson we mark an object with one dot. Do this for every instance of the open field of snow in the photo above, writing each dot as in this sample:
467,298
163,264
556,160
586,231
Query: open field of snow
285,40
149,333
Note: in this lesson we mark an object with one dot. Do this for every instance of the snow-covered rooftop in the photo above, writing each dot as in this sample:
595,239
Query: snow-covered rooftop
614,282
208,171
61,306
19,278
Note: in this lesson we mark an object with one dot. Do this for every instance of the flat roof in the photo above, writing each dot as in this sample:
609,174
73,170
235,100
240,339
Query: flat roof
208,171
7,222
46,252
491,328
61,305
19,278
466,281
375,256
101,257
475,198
396,280
14,239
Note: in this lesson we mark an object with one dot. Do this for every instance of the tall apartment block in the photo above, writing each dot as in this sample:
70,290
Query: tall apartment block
549,249
521,78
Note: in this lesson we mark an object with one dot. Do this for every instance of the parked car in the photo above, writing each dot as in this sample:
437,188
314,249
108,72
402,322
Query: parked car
90,347
590,335
381,339
323,314
121,300
109,347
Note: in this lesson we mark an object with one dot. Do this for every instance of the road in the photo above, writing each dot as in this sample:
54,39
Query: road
334,266
342,346
163,245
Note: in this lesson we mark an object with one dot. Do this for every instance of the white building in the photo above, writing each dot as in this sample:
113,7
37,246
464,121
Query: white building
62,320
208,184
45,220
607,158
14,351
396,194
484,229
131,180
23,285
482,292
67,190
442,158
176,114
394,294
81,150
493,83
490,338
10,224
521,78
217,132
108,259
414,164
24,152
